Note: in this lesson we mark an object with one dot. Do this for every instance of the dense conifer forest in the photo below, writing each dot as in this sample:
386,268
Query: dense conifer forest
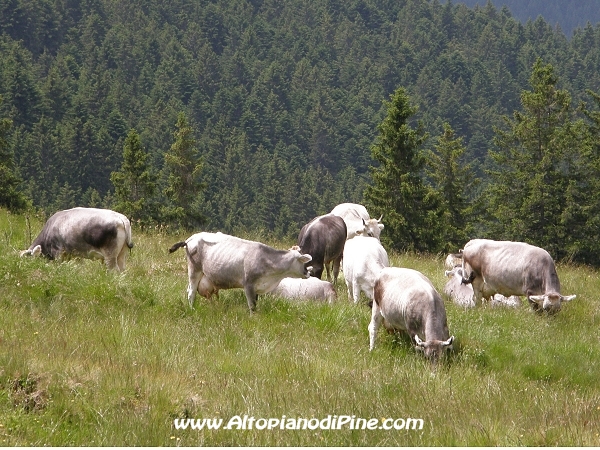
252,115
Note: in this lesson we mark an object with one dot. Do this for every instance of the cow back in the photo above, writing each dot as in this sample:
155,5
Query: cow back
323,238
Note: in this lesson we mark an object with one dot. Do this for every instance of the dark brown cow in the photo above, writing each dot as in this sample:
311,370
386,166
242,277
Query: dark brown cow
323,238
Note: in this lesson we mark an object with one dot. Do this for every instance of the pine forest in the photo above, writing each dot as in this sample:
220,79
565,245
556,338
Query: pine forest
254,116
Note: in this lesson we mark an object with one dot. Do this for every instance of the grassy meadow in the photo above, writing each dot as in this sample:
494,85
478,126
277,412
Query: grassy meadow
92,357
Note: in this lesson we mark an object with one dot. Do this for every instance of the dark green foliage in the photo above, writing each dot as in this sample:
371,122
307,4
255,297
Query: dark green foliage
455,183
535,165
10,196
283,100
134,184
183,169
398,191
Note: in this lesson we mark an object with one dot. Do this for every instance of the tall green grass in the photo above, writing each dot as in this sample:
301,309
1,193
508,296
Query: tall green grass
92,357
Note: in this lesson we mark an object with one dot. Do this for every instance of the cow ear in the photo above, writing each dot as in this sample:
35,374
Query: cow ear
539,299
567,298
305,258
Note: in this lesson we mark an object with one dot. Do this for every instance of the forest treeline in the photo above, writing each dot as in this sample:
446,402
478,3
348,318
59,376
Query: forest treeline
257,115
566,14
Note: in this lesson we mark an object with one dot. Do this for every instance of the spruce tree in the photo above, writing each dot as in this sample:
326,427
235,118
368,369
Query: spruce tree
134,183
410,208
533,164
10,196
182,170
453,179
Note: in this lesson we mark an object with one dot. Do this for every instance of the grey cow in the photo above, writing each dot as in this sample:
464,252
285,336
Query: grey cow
512,268
220,261
85,232
407,301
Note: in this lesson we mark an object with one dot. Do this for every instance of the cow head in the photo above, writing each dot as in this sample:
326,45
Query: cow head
372,228
433,349
303,259
550,302
456,271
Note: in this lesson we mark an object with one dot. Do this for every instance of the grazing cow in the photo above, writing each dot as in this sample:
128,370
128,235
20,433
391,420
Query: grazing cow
357,220
453,260
512,268
323,238
364,257
407,301
219,261
305,289
85,232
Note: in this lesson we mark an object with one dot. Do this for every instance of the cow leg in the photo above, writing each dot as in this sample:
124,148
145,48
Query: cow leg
193,283
376,319
336,268
478,286
355,291
111,261
121,258
251,296
350,292
328,270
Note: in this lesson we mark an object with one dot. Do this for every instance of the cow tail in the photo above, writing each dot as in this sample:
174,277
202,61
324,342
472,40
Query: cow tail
129,238
177,246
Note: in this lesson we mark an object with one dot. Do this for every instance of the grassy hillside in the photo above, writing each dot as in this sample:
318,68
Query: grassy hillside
90,357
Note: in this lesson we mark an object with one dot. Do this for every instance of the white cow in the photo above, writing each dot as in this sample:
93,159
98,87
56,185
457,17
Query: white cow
357,220
219,261
453,260
85,232
364,258
306,289
462,294
407,301
512,268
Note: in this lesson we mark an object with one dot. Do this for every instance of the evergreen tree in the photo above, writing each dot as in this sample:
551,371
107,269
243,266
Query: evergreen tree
134,183
453,180
183,168
409,207
10,196
534,161
582,212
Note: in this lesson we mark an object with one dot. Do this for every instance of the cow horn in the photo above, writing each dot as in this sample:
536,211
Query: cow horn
418,341
380,217
539,299
567,298
448,342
